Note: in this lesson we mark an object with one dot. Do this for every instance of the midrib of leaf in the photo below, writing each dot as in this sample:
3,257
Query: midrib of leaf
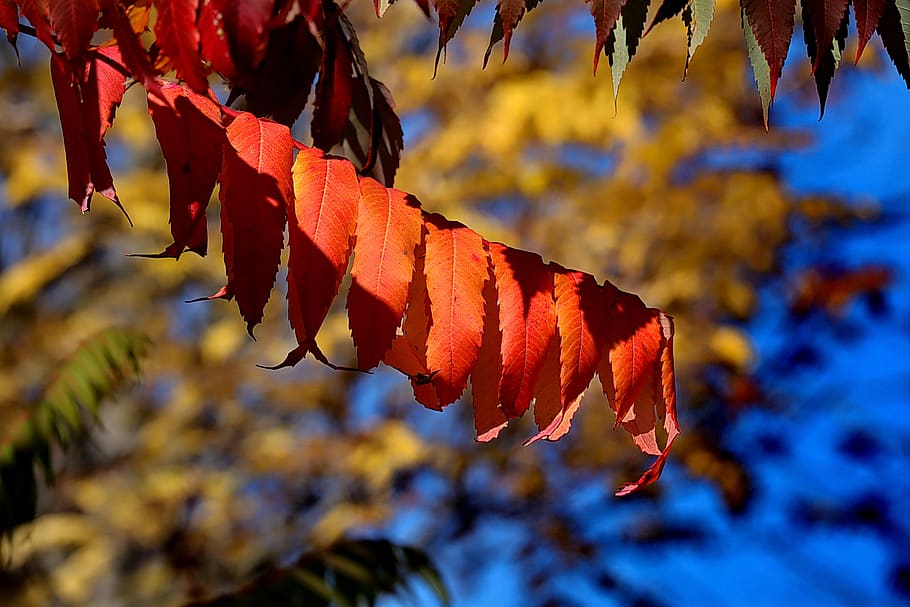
760,68
385,240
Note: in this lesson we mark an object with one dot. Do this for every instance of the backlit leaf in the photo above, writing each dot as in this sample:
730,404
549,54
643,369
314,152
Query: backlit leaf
388,232
771,27
456,269
489,419
74,21
867,13
176,33
256,189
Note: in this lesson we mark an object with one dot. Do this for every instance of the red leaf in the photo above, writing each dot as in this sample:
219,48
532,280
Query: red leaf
772,24
510,13
189,131
38,14
134,55
489,419
456,269
408,352
256,190
247,25
334,91
452,14
605,13
388,232
213,38
547,402
74,21
825,17
321,220
665,390
178,36
868,14
87,100
527,317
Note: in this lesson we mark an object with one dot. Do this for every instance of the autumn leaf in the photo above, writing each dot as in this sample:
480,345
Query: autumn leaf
605,13
867,13
824,58
452,14
456,269
87,99
213,41
489,419
824,18
188,126
508,14
9,20
321,219
771,23
247,26
134,54
256,189
38,14
389,227
527,318
178,36
74,21
891,32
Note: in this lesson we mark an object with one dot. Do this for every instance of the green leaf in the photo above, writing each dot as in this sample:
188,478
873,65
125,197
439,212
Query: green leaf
698,16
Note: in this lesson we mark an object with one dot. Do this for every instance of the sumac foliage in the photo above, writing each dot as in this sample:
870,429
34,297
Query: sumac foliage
428,296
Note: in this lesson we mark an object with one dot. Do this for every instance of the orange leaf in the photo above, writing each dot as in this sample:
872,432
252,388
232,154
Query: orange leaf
256,190
489,419
321,219
456,269
408,352
388,232
527,317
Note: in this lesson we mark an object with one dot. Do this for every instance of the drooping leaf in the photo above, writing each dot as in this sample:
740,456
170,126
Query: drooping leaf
38,14
321,219
74,21
605,13
771,27
87,98
867,13
213,37
408,352
188,126
824,18
697,16
824,59
134,55
247,24
386,138
456,269
178,36
489,419
622,43
334,90
281,84
760,69
547,402
508,14
527,318
256,189
665,391
388,232
381,6
891,31
452,14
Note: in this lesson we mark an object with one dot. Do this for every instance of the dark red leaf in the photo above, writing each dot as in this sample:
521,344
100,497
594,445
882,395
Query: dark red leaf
456,268
256,189
892,35
38,14
452,14
868,13
189,131
247,25
334,91
824,17
321,220
178,36
74,21
772,24
527,317
87,100
605,13
824,62
389,226
213,38
134,55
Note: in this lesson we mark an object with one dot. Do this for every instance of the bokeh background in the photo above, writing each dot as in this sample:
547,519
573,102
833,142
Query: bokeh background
783,257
